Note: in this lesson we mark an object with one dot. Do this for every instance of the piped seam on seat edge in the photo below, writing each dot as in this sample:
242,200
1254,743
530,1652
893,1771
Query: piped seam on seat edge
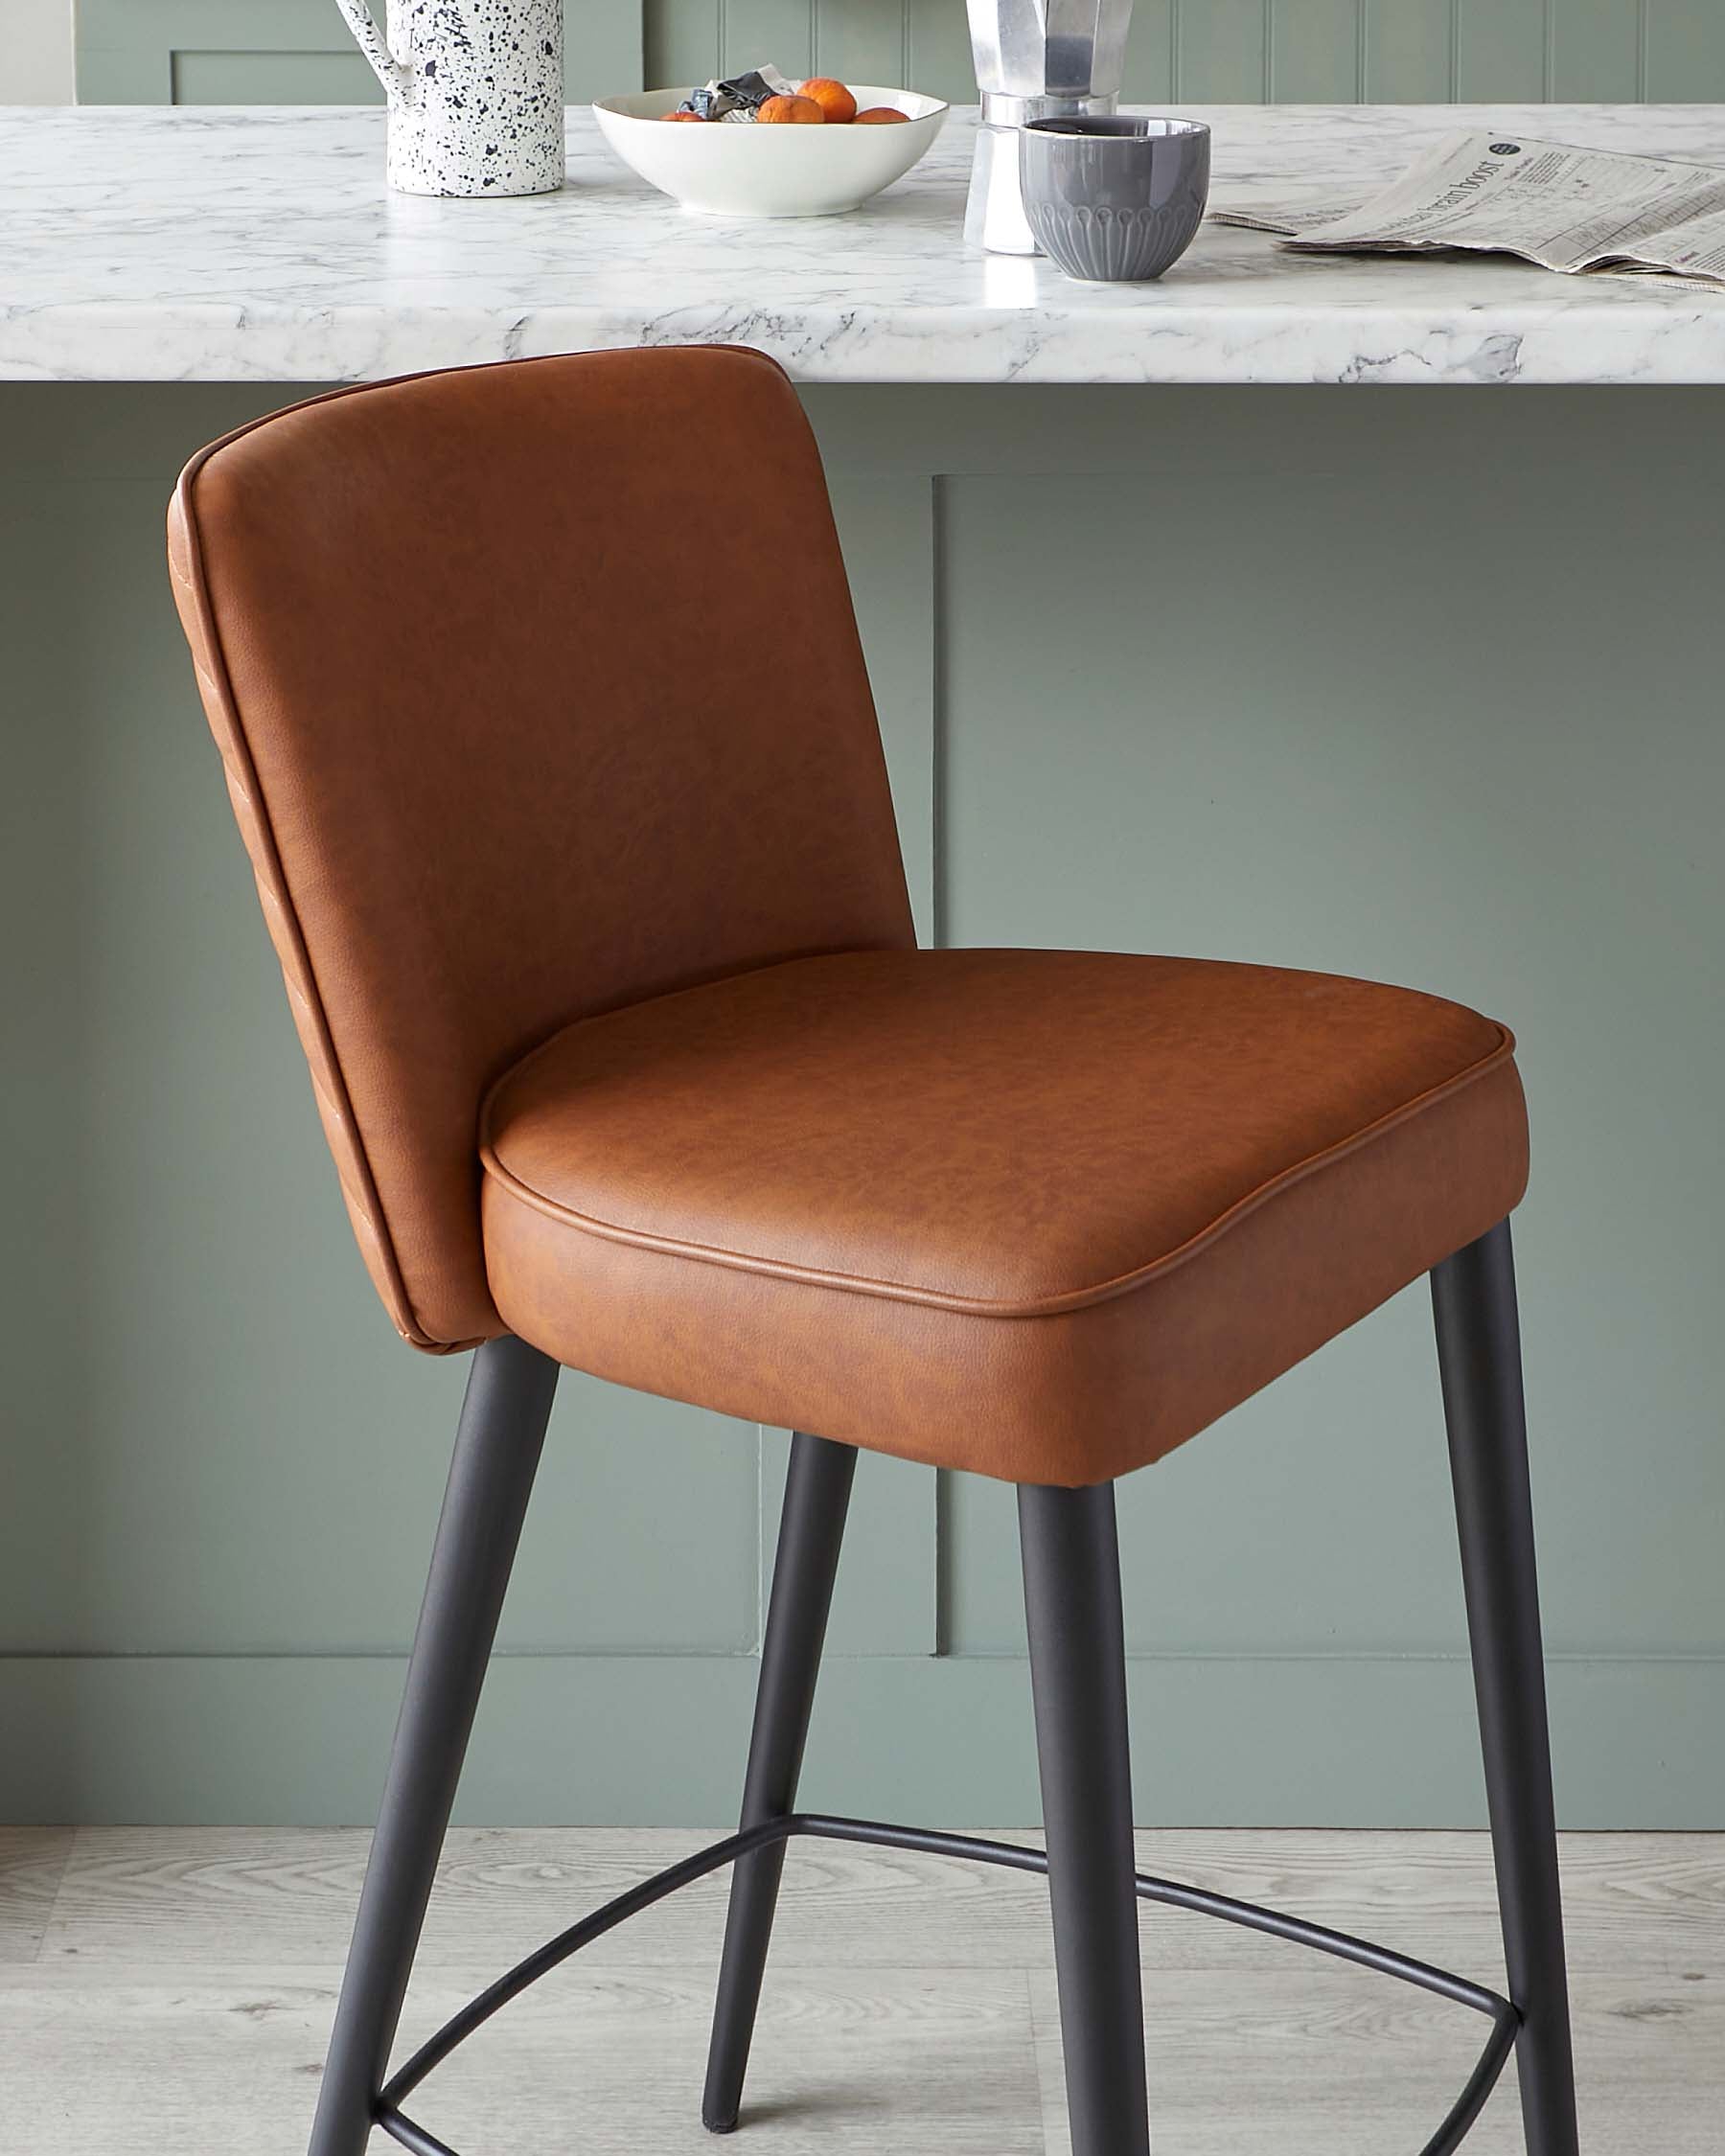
977,1307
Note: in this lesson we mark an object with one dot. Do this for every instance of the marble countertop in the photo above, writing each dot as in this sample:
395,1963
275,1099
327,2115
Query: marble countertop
143,244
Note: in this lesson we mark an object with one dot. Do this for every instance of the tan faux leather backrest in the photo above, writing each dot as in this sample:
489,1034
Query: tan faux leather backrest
539,693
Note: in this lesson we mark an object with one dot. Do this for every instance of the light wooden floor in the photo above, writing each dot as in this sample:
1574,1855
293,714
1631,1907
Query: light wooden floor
169,1993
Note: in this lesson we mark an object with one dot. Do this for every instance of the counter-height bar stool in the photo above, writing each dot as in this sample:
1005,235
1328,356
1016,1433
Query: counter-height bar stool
547,727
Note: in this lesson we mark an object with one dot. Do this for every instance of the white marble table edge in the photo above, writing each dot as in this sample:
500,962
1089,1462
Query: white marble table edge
896,300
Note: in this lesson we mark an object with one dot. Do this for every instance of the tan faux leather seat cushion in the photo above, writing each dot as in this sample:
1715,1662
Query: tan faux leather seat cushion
1038,1214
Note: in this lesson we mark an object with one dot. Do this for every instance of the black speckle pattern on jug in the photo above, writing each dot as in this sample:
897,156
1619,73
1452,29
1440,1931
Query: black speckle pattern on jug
475,95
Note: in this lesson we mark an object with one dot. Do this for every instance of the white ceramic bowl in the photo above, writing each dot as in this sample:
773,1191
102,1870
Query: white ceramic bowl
743,171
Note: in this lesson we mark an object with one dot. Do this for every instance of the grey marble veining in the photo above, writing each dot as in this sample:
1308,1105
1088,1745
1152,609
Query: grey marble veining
143,244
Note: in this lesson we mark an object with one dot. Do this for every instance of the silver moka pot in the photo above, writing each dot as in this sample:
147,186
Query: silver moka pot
1035,59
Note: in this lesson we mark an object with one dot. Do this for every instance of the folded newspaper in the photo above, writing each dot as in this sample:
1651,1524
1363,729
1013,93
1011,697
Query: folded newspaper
1579,211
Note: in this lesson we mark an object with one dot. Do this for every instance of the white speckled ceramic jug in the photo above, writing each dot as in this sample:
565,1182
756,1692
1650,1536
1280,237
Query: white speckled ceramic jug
475,93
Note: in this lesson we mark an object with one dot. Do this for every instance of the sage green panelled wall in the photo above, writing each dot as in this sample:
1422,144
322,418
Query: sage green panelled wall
1125,709
292,51
208,51
1392,52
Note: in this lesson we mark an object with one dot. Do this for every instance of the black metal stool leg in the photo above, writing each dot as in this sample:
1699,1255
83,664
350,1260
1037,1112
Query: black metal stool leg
1478,1350
1078,1677
498,1445
811,1530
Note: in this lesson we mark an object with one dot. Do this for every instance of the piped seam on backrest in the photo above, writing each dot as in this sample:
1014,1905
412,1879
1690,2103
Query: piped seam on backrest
272,879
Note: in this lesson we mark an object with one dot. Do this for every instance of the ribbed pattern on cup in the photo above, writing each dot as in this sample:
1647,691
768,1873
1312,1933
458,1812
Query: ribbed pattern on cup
1116,246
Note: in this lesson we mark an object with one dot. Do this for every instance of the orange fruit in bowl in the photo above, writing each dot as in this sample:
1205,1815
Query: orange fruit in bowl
695,116
881,116
790,112
833,98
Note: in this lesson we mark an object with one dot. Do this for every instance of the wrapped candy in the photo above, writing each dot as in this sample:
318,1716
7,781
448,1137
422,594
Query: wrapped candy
740,97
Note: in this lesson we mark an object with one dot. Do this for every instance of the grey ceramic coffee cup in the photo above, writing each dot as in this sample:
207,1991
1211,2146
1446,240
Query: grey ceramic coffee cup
1116,197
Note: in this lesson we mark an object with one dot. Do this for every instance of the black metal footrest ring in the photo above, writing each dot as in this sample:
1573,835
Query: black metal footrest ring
1505,2021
